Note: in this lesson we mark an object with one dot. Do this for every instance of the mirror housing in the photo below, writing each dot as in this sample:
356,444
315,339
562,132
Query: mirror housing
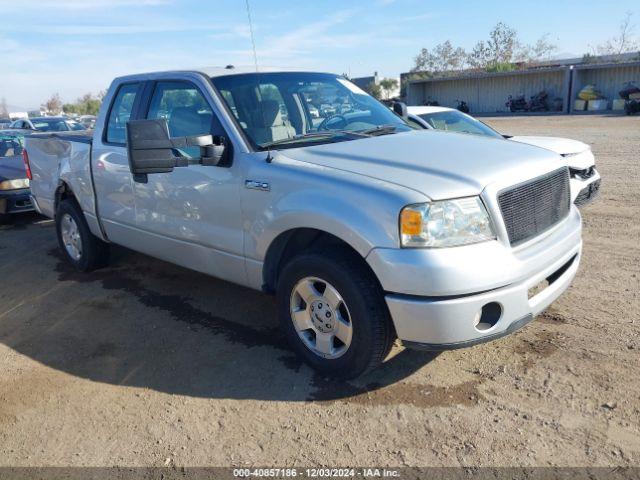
151,150
400,109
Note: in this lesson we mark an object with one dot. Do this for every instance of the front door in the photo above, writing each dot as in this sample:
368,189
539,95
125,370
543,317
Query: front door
112,177
192,215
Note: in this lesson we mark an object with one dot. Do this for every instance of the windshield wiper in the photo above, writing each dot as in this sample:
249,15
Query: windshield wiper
380,130
329,134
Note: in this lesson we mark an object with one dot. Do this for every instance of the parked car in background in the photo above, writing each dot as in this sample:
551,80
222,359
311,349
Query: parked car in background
4,123
47,124
585,178
363,228
14,182
88,121
75,126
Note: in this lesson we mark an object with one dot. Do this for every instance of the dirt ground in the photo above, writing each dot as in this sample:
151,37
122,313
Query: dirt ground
148,364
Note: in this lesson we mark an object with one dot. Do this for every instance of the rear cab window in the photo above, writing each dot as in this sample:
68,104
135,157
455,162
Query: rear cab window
120,113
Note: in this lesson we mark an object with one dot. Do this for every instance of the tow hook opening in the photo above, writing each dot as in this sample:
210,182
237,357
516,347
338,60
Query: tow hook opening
488,316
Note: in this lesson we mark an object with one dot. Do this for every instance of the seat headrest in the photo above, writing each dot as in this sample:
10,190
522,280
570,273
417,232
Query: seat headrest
270,113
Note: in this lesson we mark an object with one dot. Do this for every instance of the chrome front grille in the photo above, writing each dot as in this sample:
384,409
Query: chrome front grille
532,207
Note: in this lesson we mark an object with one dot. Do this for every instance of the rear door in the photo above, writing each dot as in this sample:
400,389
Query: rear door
112,177
192,215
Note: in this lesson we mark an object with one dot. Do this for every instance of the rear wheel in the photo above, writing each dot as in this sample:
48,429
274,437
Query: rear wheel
333,312
82,249
4,218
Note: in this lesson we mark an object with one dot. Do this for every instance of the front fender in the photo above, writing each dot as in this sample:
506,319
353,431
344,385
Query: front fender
356,225
359,210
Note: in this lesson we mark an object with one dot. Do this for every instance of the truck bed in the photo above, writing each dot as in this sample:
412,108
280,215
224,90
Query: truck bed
57,158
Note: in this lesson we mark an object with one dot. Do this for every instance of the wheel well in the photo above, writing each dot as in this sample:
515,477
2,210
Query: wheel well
293,242
63,192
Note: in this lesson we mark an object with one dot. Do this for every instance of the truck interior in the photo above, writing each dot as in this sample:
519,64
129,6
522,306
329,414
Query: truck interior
276,106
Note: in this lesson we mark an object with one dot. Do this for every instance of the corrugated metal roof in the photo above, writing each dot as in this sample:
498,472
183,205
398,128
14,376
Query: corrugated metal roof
475,75
588,66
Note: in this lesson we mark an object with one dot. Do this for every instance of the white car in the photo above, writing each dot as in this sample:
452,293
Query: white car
585,179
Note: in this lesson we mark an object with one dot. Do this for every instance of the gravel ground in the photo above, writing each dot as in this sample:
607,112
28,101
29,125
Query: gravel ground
148,364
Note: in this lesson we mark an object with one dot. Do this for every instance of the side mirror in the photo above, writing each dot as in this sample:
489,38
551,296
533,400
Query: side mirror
151,150
400,109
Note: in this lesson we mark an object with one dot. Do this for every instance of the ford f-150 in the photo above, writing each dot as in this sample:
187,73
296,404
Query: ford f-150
365,229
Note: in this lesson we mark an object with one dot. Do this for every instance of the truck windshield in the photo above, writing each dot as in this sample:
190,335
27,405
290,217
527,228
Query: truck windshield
292,109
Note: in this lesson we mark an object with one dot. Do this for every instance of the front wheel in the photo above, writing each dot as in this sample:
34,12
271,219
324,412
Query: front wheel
82,249
333,312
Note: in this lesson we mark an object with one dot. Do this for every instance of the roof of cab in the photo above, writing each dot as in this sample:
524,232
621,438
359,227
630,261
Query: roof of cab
215,71
242,69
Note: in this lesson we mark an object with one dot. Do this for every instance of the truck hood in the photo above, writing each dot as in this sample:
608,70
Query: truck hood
438,164
577,154
12,168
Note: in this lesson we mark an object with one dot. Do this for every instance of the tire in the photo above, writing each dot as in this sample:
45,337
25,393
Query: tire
81,248
362,304
5,218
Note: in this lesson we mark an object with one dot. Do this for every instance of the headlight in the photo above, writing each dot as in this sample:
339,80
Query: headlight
446,223
14,184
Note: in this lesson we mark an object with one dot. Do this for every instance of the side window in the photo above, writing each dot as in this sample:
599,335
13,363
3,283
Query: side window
186,110
415,125
121,110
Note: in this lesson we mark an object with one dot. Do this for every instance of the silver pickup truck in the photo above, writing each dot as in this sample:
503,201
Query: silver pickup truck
364,229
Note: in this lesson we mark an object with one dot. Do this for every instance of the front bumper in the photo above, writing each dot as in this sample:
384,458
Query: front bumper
441,297
440,324
15,201
584,191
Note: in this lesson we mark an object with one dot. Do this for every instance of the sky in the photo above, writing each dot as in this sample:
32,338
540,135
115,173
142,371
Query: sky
74,47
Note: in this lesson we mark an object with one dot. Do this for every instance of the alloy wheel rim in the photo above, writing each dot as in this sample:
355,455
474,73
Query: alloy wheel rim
71,236
321,317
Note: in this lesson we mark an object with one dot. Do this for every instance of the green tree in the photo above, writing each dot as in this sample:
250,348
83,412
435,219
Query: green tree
85,105
70,108
388,85
88,105
374,90
499,52
443,57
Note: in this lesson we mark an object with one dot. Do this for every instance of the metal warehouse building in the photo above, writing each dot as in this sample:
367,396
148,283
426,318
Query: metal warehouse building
608,78
488,92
